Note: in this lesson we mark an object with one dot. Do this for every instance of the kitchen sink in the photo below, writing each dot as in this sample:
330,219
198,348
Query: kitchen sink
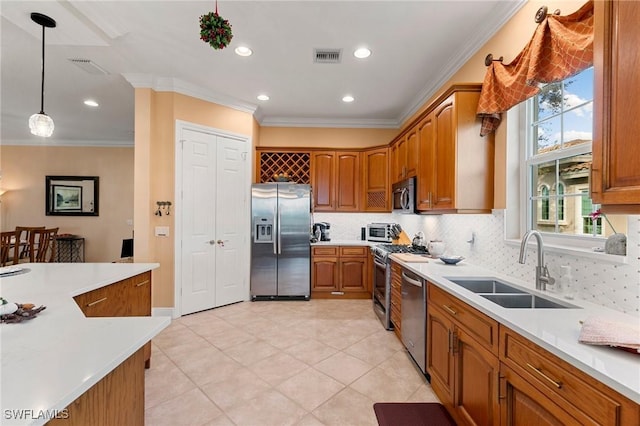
507,295
524,301
485,285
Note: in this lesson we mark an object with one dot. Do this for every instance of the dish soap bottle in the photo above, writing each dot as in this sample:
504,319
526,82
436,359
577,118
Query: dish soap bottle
565,284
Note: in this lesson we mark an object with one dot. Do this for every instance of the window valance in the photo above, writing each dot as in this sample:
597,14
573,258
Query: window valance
561,47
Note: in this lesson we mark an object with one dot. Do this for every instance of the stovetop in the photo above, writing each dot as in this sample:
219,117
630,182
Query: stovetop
401,248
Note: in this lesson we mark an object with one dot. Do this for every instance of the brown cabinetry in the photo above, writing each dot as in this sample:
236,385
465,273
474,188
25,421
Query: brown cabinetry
340,271
575,395
456,164
117,399
335,178
129,297
405,151
323,180
375,187
615,175
396,299
462,358
487,374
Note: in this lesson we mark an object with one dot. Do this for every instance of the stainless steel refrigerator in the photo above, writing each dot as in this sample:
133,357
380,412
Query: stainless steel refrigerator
280,249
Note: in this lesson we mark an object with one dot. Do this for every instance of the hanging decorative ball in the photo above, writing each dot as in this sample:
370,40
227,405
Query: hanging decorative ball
215,30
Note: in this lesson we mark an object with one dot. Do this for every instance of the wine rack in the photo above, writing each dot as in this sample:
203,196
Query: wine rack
296,164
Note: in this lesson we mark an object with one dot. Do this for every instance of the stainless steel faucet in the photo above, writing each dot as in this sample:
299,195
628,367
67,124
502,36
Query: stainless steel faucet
542,272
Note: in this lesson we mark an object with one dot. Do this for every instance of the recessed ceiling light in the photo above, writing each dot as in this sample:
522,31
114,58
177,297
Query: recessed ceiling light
91,103
348,98
362,53
263,97
243,51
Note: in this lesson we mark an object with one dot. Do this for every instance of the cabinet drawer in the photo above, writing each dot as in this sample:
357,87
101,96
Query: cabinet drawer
354,251
478,325
325,251
548,373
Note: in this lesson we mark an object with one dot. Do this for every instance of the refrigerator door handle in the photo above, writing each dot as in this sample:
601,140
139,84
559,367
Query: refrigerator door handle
278,233
275,226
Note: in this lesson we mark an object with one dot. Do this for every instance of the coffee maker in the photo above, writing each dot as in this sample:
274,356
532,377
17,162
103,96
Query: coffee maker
322,228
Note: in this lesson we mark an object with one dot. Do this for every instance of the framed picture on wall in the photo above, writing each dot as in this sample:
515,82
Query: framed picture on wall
72,195
66,198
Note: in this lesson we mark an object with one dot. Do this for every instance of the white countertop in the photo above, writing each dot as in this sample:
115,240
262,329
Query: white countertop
49,361
345,243
556,330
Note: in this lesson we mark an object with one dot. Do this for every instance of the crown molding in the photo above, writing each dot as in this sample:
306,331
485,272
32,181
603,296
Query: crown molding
75,143
329,122
503,11
167,84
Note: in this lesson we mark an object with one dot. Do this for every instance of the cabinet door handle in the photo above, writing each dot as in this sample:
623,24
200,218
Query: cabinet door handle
455,342
96,302
547,378
450,310
449,338
498,381
142,283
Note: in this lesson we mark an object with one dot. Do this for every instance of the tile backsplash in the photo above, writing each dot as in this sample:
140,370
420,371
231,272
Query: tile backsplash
614,285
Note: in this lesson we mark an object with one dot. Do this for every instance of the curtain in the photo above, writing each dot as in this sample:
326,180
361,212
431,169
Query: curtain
561,46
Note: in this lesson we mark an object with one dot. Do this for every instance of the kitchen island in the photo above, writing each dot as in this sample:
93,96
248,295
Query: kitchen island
54,359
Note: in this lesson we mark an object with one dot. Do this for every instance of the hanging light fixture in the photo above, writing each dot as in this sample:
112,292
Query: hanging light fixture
41,124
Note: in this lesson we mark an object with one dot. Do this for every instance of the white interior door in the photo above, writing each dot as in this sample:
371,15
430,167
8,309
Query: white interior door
231,229
198,221
213,232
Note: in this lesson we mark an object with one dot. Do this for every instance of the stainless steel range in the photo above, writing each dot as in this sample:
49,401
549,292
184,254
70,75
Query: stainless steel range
382,278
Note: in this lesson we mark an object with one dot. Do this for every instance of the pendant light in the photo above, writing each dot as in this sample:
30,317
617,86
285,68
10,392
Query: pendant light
41,124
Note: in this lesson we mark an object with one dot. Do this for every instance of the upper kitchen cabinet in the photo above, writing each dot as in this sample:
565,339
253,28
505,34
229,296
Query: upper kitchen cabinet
348,181
456,163
376,180
323,175
615,175
335,178
405,152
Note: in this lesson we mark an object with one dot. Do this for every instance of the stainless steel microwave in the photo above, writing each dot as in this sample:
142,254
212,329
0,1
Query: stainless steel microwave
404,196
380,232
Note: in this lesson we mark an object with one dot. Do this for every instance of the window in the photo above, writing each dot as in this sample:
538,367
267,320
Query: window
558,159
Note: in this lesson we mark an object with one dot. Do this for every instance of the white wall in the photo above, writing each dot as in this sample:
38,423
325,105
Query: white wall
611,284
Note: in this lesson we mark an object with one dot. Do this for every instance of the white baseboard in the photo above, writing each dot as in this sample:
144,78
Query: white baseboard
162,312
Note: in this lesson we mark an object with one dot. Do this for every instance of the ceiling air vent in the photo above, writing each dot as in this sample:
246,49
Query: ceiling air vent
327,56
88,66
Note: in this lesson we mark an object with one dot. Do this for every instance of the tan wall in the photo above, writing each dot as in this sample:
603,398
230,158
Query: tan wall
23,176
156,114
314,137
508,42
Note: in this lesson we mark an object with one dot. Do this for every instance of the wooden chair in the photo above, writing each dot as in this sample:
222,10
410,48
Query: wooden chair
8,248
23,238
41,243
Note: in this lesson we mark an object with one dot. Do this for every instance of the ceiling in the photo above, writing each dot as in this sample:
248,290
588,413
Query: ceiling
416,45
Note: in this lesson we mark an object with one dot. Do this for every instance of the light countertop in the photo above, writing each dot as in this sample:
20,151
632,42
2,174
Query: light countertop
556,330
49,361
345,243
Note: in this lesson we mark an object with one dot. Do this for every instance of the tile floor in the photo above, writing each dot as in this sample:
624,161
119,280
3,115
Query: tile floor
279,363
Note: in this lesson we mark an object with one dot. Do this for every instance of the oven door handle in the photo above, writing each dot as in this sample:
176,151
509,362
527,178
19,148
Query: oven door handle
382,265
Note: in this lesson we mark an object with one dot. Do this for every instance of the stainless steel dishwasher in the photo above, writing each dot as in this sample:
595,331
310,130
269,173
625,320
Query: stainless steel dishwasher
414,317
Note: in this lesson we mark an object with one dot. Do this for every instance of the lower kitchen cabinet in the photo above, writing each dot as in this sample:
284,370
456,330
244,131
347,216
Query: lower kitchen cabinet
117,399
396,299
340,272
462,359
126,298
487,374
580,398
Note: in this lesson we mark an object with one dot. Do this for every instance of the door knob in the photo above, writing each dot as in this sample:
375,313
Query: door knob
212,242
220,243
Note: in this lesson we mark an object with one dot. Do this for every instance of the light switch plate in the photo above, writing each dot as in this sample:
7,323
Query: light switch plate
162,231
